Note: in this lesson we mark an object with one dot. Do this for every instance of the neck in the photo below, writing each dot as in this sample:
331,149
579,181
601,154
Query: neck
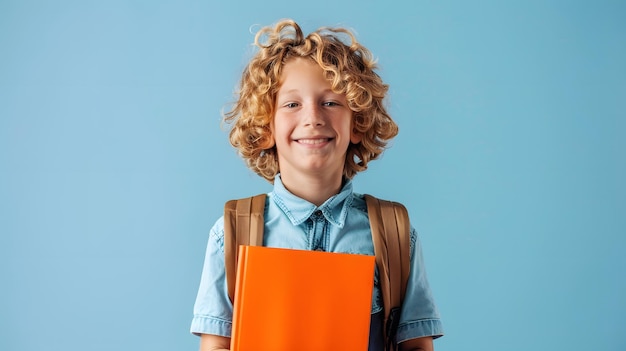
314,189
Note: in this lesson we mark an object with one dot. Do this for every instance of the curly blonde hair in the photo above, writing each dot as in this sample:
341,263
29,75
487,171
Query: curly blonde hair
349,67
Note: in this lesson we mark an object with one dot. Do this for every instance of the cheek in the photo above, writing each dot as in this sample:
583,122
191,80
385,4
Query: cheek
279,133
348,131
281,127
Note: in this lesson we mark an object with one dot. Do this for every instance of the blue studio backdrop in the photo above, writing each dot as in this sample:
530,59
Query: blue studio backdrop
510,158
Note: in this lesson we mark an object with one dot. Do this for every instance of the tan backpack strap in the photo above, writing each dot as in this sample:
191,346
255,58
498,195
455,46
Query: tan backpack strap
389,222
243,225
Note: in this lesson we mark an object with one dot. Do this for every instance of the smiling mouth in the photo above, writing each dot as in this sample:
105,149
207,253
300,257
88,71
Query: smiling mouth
313,141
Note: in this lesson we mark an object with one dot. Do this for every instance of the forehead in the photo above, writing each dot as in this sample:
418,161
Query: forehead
302,71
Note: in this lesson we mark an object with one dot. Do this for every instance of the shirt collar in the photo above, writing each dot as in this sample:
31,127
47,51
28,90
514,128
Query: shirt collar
299,210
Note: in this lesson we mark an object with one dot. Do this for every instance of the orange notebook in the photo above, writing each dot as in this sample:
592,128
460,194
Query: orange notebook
301,300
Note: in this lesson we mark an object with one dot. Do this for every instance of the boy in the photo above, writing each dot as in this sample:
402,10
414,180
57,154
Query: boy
309,116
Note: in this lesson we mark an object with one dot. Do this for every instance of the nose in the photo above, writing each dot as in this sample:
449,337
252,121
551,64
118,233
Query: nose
313,115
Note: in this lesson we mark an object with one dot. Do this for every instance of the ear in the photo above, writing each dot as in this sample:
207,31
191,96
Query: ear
268,143
355,137
269,139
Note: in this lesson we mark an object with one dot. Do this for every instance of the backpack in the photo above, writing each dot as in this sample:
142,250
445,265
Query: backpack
389,223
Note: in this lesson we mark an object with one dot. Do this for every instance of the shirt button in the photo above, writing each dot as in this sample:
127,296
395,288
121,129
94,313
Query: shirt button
318,213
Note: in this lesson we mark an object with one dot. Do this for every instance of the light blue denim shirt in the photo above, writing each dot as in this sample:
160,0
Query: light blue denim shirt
341,225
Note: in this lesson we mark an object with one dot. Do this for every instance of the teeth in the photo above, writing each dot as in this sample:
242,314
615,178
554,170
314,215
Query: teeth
312,141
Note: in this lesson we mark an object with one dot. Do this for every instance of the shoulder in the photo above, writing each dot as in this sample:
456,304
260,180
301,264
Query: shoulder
399,208
372,200
260,198
216,234
250,204
357,202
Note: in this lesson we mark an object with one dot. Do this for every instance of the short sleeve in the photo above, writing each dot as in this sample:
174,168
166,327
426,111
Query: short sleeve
419,316
212,312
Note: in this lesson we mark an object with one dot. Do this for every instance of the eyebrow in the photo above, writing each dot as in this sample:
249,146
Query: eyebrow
296,90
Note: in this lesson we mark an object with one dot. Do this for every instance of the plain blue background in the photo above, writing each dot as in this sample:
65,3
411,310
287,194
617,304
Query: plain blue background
511,159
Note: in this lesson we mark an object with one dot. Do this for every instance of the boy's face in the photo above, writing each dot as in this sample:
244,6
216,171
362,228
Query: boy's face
312,125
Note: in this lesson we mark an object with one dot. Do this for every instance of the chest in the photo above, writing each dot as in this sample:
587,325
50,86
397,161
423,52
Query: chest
318,233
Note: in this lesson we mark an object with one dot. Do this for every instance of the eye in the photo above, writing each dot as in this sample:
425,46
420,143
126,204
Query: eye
291,105
330,103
